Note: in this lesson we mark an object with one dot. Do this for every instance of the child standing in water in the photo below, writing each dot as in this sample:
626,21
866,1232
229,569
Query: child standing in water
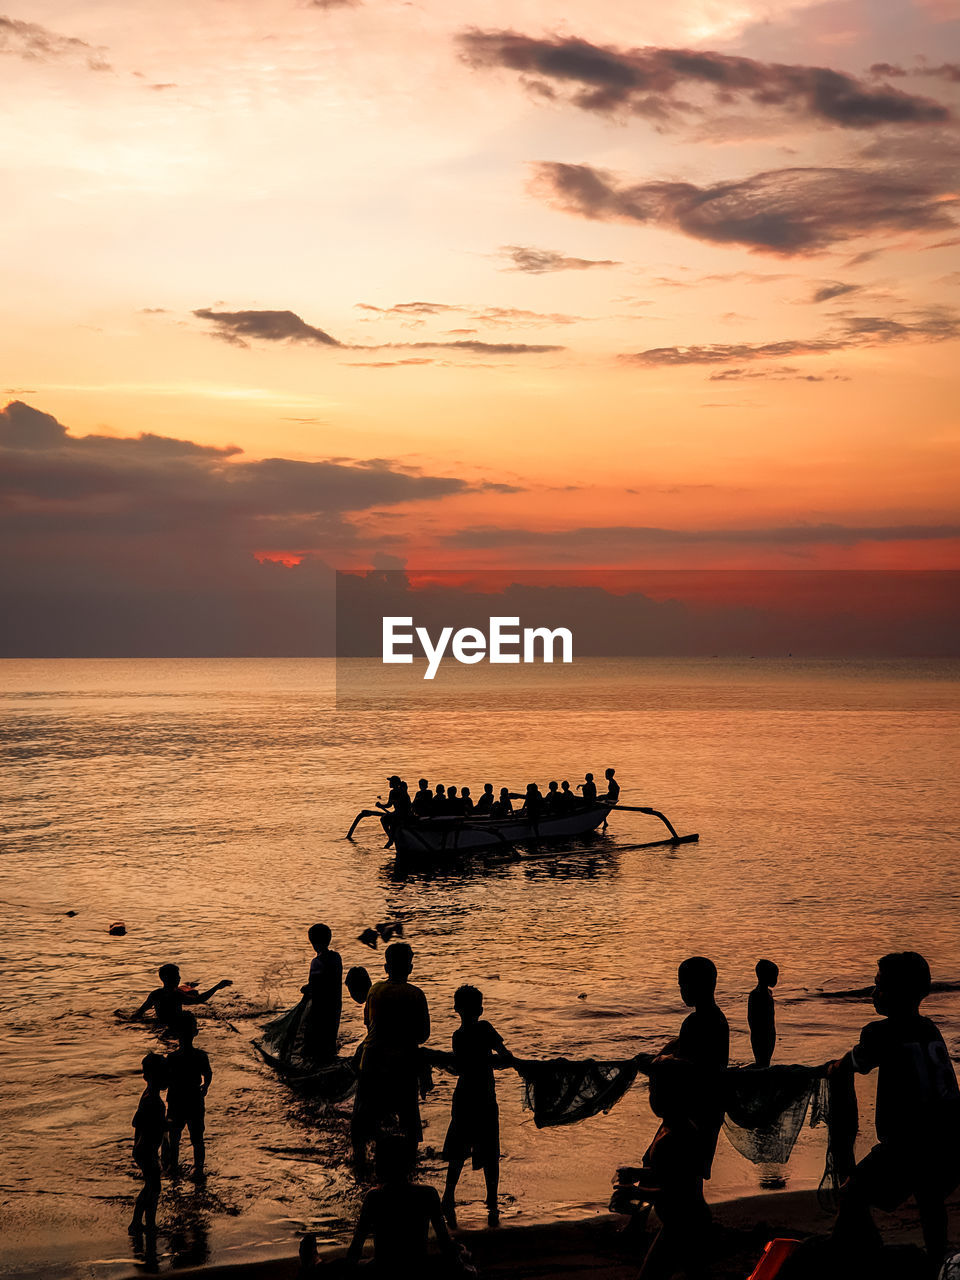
474,1116
761,1013
149,1123
190,1074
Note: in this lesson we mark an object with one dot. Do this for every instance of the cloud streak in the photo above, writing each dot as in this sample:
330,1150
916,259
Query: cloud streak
34,43
538,262
790,212
650,81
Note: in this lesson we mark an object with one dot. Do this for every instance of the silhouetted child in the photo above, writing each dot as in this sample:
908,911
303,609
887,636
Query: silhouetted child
309,1258
917,1115
671,1177
589,789
398,1214
613,787
761,1013
704,1041
167,1000
149,1123
189,1073
474,1129
324,987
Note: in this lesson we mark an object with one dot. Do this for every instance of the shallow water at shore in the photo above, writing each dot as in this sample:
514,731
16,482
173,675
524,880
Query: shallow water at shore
204,803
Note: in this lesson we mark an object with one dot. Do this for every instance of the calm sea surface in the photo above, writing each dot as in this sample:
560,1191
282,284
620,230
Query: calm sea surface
204,803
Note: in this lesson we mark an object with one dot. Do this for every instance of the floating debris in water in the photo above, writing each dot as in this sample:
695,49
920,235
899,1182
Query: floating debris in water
117,929
369,938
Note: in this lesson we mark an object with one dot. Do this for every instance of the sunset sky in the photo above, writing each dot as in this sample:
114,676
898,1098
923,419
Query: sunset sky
449,284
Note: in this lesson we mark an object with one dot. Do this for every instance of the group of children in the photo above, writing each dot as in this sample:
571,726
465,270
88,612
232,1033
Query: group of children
446,802
917,1115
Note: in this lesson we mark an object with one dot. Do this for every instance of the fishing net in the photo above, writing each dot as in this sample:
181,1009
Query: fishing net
560,1091
284,1044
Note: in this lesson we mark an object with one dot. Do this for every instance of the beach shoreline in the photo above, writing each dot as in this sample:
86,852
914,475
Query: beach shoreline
593,1244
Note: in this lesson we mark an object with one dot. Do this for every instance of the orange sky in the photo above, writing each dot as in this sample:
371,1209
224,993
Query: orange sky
538,283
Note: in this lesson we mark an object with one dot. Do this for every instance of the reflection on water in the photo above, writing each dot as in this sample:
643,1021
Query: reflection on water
205,804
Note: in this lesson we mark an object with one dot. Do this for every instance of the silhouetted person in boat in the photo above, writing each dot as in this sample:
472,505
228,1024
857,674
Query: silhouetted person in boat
398,1214
398,1023
397,805
167,1001
613,787
423,799
589,789
503,806
670,1178
533,802
189,1074
474,1115
466,800
149,1123
485,801
325,989
567,800
704,1041
917,1116
440,799
454,806
551,801
761,1013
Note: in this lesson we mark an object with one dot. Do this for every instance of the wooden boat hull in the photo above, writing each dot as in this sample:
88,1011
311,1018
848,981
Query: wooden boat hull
439,836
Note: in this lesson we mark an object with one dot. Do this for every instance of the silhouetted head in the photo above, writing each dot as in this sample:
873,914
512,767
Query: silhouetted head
902,981
674,1085
532,786
488,788
155,1070
186,1028
588,777
358,983
767,973
608,773
564,785
393,779
451,793
393,1160
697,978
319,936
553,786
441,789
468,1001
398,959
423,784
504,793
464,791
169,975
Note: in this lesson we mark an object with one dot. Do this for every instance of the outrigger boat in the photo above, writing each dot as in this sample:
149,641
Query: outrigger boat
428,838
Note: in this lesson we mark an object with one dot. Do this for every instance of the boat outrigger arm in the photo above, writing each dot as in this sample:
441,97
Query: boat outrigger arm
447,834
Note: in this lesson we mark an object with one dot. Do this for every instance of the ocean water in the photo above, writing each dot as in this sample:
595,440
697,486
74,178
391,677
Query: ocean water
204,803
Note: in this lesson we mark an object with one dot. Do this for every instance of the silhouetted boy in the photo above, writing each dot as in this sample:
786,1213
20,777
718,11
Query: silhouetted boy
474,1115
398,1023
613,787
704,1041
917,1115
485,801
671,1177
324,987
167,1001
398,1214
761,1013
422,803
149,1123
589,789
189,1075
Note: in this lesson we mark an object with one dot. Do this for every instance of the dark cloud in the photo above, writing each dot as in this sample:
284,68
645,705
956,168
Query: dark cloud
649,81
235,327
781,373
791,212
30,41
853,332
601,537
833,289
147,545
538,262
267,326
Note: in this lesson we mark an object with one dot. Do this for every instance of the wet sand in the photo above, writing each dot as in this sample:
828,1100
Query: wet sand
593,1246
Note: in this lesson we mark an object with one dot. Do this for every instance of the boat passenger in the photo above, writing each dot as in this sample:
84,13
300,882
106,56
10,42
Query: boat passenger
551,800
589,789
398,800
466,799
533,801
567,800
613,787
454,803
423,800
440,799
485,802
503,807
